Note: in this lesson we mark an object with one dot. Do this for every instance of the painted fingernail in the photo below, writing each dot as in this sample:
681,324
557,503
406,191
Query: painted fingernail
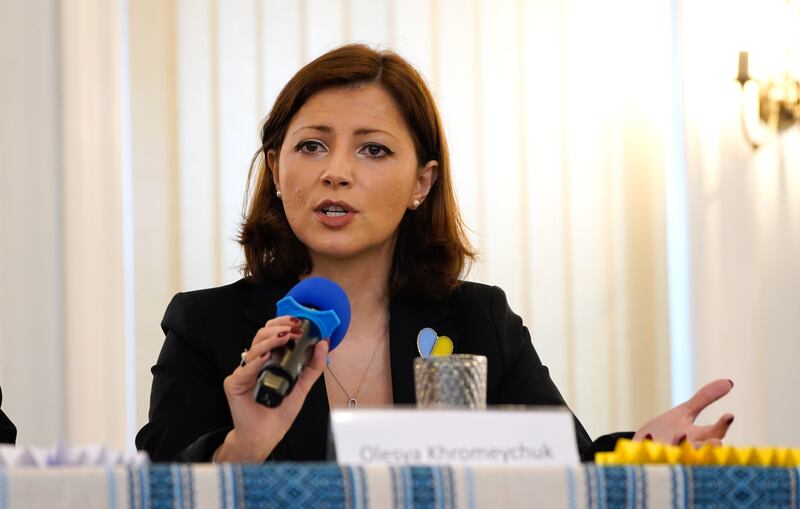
730,382
295,321
296,330
648,436
681,438
729,420
281,334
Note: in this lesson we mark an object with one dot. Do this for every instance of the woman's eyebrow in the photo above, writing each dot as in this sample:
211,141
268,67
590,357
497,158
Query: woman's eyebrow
369,130
323,128
361,131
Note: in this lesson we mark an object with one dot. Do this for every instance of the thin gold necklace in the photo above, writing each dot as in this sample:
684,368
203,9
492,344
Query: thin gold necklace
352,401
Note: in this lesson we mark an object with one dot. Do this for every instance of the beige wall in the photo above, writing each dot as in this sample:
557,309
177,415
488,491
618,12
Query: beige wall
744,225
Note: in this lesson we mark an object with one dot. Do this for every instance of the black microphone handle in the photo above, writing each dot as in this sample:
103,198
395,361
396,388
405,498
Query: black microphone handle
285,363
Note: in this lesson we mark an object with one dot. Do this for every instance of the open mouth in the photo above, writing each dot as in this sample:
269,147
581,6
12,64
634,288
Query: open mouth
335,214
334,211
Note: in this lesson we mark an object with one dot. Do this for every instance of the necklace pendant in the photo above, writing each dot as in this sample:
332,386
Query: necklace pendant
352,403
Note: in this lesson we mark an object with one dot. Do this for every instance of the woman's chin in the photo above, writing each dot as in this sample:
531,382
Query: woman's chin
335,251
341,251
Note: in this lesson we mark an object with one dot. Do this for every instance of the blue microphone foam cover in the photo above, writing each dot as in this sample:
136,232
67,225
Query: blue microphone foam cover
323,294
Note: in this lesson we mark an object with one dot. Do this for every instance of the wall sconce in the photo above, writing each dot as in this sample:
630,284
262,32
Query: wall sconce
778,100
774,31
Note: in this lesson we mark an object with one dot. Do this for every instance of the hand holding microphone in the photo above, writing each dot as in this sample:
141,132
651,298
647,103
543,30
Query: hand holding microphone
323,312
280,350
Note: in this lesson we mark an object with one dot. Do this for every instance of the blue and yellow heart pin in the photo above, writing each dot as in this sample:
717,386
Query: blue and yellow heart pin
430,344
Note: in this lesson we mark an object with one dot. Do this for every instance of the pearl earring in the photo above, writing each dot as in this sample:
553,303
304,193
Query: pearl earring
279,195
415,205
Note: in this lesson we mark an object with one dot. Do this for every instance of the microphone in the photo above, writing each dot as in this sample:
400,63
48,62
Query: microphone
324,313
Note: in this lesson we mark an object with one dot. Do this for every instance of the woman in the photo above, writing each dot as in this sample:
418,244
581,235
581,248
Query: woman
352,183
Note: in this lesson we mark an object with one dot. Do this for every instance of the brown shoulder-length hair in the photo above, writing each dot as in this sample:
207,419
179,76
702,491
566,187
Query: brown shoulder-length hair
432,249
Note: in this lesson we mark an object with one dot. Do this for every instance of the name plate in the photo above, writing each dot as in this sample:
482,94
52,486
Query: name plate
439,437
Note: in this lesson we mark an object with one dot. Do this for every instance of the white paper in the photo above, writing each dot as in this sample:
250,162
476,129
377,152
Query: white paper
447,437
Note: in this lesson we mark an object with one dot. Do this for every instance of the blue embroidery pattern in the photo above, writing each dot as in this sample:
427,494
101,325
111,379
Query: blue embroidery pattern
737,487
292,485
423,488
570,473
164,493
616,487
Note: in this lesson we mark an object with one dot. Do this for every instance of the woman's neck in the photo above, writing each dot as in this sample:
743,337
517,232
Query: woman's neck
365,281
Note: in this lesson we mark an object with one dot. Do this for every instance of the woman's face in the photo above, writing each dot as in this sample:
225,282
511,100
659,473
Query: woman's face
347,172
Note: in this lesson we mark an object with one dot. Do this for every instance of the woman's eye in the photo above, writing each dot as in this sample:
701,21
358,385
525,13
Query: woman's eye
375,150
310,146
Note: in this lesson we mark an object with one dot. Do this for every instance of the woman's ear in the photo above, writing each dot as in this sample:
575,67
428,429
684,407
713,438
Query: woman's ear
272,164
425,180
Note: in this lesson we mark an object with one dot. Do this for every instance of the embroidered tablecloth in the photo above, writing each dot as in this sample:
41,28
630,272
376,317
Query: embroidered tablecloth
324,485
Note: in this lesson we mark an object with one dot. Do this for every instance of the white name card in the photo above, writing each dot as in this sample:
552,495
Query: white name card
438,437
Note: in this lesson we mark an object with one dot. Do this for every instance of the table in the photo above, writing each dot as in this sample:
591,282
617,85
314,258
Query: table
323,485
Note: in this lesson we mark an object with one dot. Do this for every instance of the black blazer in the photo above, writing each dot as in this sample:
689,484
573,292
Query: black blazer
207,330
8,432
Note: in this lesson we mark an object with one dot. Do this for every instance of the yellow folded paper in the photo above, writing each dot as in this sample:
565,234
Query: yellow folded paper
628,452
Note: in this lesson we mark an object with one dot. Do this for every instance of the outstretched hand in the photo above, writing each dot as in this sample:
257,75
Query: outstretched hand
677,424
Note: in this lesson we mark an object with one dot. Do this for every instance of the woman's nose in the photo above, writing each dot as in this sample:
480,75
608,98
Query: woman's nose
338,172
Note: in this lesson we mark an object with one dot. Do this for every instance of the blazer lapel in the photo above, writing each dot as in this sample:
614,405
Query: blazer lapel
264,298
408,317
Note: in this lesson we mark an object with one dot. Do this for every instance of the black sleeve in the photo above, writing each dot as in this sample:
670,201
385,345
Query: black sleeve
8,432
189,415
527,381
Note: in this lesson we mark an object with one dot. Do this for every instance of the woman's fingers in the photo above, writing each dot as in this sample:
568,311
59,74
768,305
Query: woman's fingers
678,439
280,326
293,401
708,394
268,344
718,430
252,356
712,434
243,378
312,371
